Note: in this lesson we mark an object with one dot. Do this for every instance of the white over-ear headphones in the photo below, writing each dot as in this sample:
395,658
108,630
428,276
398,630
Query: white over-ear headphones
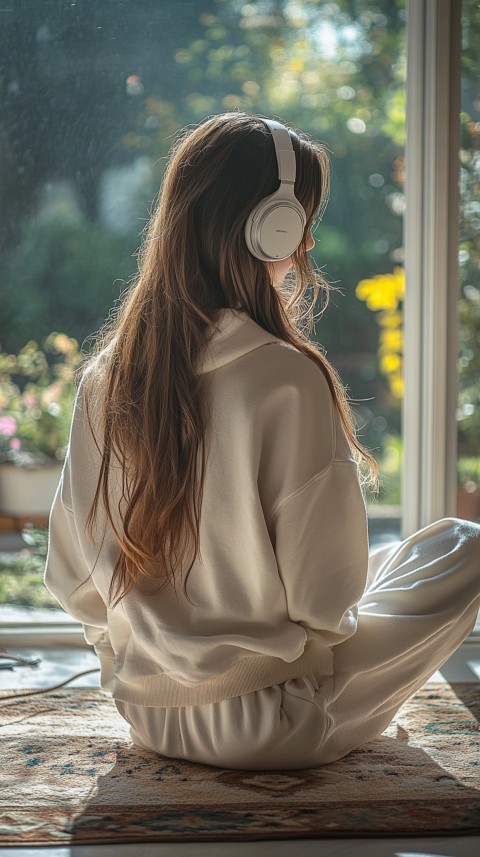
275,227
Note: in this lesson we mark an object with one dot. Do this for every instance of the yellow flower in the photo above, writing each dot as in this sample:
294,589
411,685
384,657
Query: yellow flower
390,363
390,319
396,386
383,294
391,340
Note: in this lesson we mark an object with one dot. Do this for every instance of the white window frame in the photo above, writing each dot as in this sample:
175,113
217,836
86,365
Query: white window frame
431,262
21,635
431,271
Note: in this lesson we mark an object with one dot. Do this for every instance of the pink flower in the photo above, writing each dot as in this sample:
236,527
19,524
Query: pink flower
15,443
8,426
30,400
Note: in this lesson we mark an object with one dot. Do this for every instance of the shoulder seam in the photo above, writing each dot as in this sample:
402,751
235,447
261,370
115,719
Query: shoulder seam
306,484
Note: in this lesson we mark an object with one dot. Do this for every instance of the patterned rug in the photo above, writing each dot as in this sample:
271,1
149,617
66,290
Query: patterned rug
71,775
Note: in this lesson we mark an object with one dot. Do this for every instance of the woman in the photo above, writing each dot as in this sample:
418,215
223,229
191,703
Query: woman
213,442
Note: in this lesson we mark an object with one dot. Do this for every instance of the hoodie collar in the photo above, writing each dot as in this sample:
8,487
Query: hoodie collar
236,334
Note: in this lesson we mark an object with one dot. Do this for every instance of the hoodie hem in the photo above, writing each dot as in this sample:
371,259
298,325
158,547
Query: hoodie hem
244,676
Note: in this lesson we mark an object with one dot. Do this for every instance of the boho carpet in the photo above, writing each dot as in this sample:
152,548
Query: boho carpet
70,774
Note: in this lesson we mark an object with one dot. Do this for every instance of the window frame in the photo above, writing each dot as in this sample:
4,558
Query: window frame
431,273
429,427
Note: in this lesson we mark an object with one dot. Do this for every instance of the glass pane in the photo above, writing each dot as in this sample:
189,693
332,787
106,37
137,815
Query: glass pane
468,411
92,94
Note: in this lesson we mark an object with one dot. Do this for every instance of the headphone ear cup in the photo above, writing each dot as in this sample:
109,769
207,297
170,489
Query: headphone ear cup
275,227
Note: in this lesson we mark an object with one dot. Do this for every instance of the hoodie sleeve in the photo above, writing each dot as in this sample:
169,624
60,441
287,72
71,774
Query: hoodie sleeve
68,571
321,545
315,511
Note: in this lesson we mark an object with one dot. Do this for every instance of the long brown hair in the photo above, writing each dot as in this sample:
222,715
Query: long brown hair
142,382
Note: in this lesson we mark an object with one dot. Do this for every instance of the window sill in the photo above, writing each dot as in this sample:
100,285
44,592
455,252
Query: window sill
31,635
30,626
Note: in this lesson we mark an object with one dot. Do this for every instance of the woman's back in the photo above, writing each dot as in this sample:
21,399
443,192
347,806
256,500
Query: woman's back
273,442
277,641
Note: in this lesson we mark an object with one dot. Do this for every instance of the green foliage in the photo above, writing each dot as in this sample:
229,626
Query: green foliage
468,413
37,390
337,71
468,471
470,40
390,462
294,58
70,271
21,573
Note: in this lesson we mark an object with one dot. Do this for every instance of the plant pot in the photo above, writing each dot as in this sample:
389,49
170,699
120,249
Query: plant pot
468,503
28,492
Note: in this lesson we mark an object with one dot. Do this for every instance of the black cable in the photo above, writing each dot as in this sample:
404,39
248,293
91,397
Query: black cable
15,661
48,689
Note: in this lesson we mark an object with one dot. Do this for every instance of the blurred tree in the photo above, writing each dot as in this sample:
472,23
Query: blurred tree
336,70
468,413
65,101
469,302
65,275
88,85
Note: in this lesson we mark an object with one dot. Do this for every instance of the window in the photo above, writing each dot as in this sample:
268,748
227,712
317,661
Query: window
468,402
91,105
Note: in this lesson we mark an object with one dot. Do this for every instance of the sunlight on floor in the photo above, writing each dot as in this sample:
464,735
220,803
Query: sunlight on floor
475,667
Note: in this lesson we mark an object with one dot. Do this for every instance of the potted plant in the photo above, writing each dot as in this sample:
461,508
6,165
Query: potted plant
37,391
468,488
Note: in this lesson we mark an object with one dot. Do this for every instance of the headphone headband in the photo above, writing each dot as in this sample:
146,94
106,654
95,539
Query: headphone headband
275,227
284,151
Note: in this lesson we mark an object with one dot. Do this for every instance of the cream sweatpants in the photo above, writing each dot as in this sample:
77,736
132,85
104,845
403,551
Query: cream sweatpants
421,601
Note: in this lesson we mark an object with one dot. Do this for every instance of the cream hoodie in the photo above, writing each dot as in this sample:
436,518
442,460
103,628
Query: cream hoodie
283,539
